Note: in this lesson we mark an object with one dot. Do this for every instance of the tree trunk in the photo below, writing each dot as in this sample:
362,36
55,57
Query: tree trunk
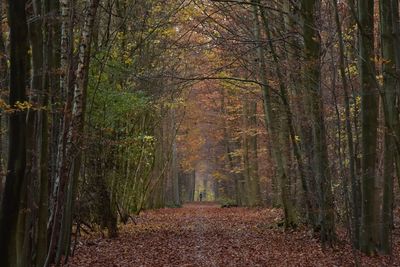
396,39
273,124
252,182
17,133
174,163
312,83
75,128
355,187
34,139
3,85
369,108
286,131
390,88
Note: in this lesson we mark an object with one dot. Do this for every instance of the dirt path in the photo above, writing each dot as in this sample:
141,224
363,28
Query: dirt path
206,235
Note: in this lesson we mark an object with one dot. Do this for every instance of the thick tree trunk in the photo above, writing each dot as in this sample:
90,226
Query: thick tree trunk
390,87
369,236
292,21
396,39
17,134
312,82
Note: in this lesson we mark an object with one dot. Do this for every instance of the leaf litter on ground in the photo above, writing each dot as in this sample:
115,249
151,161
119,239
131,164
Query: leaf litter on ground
207,235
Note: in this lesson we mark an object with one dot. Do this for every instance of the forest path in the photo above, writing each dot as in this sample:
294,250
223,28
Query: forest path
206,235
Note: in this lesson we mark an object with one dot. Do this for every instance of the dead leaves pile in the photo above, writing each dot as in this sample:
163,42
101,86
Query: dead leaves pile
206,235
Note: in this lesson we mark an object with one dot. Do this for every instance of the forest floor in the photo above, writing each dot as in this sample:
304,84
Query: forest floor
207,235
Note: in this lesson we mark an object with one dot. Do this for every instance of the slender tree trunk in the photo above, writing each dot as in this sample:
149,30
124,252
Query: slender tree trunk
228,151
287,131
63,248
3,84
75,129
355,187
66,91
59,32
174,163
253,153
28,219
43,146
250,153
245,155
273,126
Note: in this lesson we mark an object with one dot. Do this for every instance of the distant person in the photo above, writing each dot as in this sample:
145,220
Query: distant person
201,197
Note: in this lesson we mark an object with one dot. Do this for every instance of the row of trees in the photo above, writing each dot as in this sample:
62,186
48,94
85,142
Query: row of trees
309,90
91,118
